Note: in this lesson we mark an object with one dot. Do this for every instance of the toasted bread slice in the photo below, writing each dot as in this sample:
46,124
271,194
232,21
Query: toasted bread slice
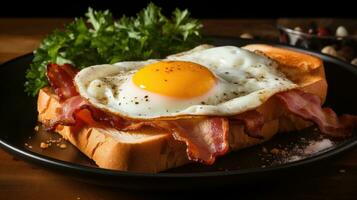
148,150
305,70
153,151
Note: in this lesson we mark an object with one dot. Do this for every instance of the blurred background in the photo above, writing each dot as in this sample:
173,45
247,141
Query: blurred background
329,27
199,9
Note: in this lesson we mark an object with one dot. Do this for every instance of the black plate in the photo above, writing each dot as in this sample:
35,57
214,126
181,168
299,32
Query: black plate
18,119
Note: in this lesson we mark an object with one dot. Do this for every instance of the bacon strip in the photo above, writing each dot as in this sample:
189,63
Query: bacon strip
68,110
75,110
206,138
253,123
308,106
61,80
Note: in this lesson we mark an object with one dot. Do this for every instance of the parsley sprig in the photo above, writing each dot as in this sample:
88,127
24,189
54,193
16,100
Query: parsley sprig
98,39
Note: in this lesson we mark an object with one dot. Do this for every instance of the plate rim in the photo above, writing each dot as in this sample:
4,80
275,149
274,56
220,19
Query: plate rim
55,163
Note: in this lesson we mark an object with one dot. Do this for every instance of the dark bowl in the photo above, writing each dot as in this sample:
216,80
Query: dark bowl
346,47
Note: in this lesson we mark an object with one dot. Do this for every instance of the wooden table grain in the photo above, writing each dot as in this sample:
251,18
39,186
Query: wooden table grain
337,178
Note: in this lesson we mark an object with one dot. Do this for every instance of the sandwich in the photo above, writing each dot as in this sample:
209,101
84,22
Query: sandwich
194,106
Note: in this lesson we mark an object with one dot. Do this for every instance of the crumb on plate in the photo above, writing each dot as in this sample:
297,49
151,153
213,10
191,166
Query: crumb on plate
44,145
63,146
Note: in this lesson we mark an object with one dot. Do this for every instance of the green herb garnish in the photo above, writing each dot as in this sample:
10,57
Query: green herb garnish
104,40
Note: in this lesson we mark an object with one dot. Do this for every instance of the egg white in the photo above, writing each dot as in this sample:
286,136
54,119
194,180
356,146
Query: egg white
245,80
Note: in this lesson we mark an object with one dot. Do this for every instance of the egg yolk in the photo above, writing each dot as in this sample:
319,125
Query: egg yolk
179,79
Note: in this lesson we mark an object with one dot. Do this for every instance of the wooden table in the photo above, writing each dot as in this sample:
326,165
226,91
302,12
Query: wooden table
22,180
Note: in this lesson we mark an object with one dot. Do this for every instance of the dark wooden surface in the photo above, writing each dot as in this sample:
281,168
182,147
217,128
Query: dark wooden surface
335,179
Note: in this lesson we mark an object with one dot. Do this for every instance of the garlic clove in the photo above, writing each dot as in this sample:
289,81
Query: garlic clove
341,31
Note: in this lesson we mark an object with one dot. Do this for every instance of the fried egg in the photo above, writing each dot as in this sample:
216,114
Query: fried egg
209,81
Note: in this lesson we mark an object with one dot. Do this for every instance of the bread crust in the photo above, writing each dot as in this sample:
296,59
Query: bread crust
152,151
